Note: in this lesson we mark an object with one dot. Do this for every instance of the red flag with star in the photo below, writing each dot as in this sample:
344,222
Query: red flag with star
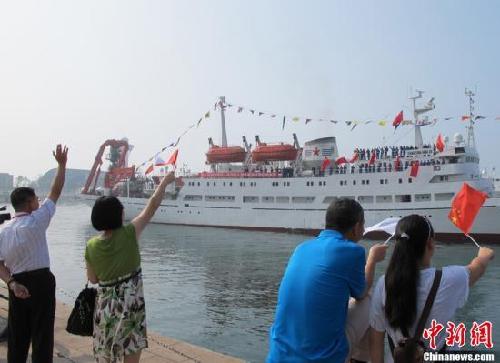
397,120
341,160
440,143
414,169
372,158
465,207
325,164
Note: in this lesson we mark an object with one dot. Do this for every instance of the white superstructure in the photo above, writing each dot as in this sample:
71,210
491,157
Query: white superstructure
294,196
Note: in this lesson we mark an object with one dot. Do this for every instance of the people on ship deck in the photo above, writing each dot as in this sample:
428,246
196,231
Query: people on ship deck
323,301
113,261
399,296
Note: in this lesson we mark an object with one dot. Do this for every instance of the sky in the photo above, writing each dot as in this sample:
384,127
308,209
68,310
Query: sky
79,73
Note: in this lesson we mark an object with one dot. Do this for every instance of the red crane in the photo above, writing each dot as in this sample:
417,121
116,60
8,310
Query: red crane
118,166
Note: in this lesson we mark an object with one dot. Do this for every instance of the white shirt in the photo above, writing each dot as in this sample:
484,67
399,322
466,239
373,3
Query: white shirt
451,295
23,240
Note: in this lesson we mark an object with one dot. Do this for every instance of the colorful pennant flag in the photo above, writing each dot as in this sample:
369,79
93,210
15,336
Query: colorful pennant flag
261,113
382,123
240,109
149,169
283,126
207,115
465,118
296,119
308,120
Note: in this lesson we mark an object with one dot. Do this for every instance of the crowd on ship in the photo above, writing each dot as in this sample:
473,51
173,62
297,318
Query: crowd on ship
382,152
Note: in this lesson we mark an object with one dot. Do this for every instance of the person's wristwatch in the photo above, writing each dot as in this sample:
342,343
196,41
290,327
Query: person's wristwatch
11,280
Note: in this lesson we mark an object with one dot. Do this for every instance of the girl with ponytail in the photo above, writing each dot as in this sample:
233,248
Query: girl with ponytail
399,296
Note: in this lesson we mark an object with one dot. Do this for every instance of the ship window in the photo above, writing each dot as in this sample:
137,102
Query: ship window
354,182
307,184
302,199
193,197
365,198
219,198
267,199
231,184
410,180
383,198
312,183
282,199
443,196
403,198
341,182
214,184
422,197
348,197
198,183
250,199
400,181
224,184
367,181
208,184
363,182
329,200
381,181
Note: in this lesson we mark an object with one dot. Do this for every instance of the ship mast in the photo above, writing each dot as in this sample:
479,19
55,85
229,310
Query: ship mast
418,111
471,140
222,105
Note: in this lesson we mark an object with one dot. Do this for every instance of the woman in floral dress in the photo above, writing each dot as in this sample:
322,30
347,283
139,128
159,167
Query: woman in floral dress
113,260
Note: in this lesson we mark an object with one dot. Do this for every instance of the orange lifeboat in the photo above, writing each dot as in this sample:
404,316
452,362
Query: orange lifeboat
225,154
276,152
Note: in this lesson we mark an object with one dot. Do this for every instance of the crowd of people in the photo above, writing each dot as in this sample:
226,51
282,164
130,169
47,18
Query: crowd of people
382,152
327,308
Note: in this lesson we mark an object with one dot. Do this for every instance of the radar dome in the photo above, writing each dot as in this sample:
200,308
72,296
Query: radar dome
458,138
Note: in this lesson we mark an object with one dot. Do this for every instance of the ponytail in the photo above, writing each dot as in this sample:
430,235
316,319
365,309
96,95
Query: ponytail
402,275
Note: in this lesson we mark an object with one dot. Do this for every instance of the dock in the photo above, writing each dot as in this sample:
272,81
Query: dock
75,349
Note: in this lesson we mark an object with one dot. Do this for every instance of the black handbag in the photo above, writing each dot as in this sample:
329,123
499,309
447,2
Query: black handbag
81,319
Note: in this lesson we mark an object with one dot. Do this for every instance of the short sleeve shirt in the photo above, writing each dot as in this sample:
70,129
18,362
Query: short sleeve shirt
23,240
116,256
313,296
451,295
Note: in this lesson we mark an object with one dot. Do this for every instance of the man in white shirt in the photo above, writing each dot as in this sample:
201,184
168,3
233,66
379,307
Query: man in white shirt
25,267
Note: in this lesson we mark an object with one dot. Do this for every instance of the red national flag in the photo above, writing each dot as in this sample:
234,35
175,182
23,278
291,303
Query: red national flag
398,119
465,207
440,143
354,158
397,163
465,118
372,158
325,164
341,160
149,169
414,169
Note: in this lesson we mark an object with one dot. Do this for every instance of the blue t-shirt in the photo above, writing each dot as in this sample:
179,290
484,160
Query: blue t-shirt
321,275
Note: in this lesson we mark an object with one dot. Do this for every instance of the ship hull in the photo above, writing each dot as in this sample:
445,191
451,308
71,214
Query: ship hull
309,221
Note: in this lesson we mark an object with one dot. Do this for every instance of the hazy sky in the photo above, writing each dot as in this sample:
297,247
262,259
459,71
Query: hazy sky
82,72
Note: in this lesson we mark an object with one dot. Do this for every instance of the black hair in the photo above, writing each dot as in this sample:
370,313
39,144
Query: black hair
342,214
402,275
107,213
21,197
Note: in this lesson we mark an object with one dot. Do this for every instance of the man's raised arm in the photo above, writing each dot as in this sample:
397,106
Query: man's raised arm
61,156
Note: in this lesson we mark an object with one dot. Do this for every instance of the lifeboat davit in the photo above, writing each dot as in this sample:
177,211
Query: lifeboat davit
276,152
225,154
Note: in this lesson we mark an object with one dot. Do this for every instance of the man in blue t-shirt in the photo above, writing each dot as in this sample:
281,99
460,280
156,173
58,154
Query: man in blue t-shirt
310,320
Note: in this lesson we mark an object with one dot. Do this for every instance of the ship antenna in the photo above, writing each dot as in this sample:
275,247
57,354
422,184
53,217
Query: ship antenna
471,141
222,105
417,111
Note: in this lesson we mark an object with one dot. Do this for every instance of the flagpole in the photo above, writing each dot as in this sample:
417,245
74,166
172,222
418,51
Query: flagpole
473,240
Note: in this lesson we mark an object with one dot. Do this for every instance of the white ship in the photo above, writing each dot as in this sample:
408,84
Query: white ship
288,188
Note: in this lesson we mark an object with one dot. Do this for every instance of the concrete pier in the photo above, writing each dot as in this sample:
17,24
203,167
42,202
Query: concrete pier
76,349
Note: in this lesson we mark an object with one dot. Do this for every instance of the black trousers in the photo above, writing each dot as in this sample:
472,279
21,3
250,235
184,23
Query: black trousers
31,320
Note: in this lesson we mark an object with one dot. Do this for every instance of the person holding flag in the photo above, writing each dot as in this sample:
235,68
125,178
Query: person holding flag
400,295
